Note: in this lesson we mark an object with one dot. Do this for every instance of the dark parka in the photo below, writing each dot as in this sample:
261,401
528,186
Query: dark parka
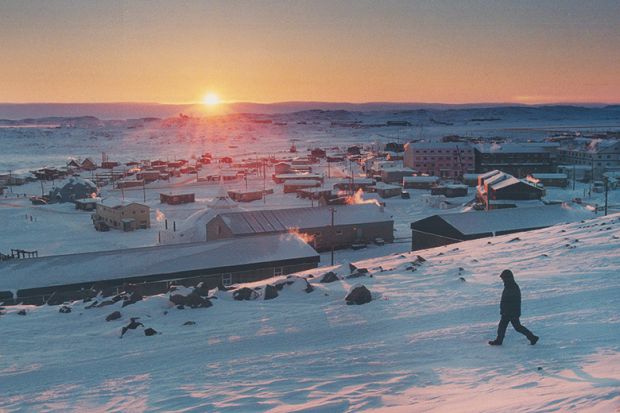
510,306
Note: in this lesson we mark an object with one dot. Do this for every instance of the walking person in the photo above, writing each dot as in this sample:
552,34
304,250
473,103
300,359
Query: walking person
510,309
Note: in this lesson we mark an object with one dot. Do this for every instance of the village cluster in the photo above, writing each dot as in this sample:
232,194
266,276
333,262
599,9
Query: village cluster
299,203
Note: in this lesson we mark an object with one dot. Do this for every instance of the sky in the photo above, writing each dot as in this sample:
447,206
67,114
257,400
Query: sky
461,51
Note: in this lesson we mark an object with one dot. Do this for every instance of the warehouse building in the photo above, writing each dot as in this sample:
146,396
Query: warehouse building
153,269
445,229
352,224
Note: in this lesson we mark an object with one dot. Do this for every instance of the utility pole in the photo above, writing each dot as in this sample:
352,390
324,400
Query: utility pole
606,191
143,191
264,181
352,179
333,211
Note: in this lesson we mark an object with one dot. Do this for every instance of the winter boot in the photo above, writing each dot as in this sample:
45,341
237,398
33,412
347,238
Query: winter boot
534,340
495,342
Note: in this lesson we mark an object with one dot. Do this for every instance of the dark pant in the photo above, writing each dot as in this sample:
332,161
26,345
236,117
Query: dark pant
503,323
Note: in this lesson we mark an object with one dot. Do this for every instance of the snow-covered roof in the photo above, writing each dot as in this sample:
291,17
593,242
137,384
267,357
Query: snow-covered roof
398,169
489,174
513,219
502,183
498,180
298,176
548,176
438,145
302,182
383,185
315,190
420,178
356,180
222,200
514,147
280,220
149,261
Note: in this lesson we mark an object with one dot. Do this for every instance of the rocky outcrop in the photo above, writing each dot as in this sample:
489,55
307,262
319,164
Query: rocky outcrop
358,295
245,294
329,277
113,316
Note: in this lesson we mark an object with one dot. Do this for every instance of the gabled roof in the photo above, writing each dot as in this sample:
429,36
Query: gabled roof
509,219
282,220
149,261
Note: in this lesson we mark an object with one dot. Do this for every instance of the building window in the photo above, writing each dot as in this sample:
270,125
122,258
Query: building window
278,271
226,279
339,232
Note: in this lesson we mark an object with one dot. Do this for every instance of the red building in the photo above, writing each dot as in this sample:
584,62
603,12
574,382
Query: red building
445,160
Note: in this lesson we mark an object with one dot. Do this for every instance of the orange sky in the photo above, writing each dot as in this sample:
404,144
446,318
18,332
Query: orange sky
268,51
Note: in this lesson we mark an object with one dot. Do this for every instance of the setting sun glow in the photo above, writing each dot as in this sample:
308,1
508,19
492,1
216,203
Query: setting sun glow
210,99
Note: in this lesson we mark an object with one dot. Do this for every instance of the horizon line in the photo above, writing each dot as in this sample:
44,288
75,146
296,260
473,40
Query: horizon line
241,102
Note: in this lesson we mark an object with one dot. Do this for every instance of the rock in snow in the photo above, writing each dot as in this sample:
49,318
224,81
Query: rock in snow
245,294
113,316
271,292
192,300
358,295
329,277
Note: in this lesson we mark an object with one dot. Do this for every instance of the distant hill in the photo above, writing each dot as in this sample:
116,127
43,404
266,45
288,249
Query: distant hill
12,111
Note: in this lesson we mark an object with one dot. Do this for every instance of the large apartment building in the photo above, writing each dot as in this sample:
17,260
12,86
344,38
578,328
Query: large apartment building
446,160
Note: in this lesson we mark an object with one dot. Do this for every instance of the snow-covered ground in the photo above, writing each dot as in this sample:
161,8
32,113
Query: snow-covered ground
420,345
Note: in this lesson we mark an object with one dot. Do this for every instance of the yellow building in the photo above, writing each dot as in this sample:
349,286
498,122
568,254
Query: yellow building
126,217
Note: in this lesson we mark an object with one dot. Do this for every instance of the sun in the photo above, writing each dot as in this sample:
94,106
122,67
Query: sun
210,99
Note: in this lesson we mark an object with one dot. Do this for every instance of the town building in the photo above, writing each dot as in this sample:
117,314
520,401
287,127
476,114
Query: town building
420,182
123,216
554,179
450,190
177,199
151,270
352,224
395,174
282,168
354,184
385,190
599,155
88,165
293,185
516,159
149,175
129,183
470,179
446,160
496,187
315,193
444,229
245,196
73,189
280,178
87,204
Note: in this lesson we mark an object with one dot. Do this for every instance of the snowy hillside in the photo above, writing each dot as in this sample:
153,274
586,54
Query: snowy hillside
420,345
